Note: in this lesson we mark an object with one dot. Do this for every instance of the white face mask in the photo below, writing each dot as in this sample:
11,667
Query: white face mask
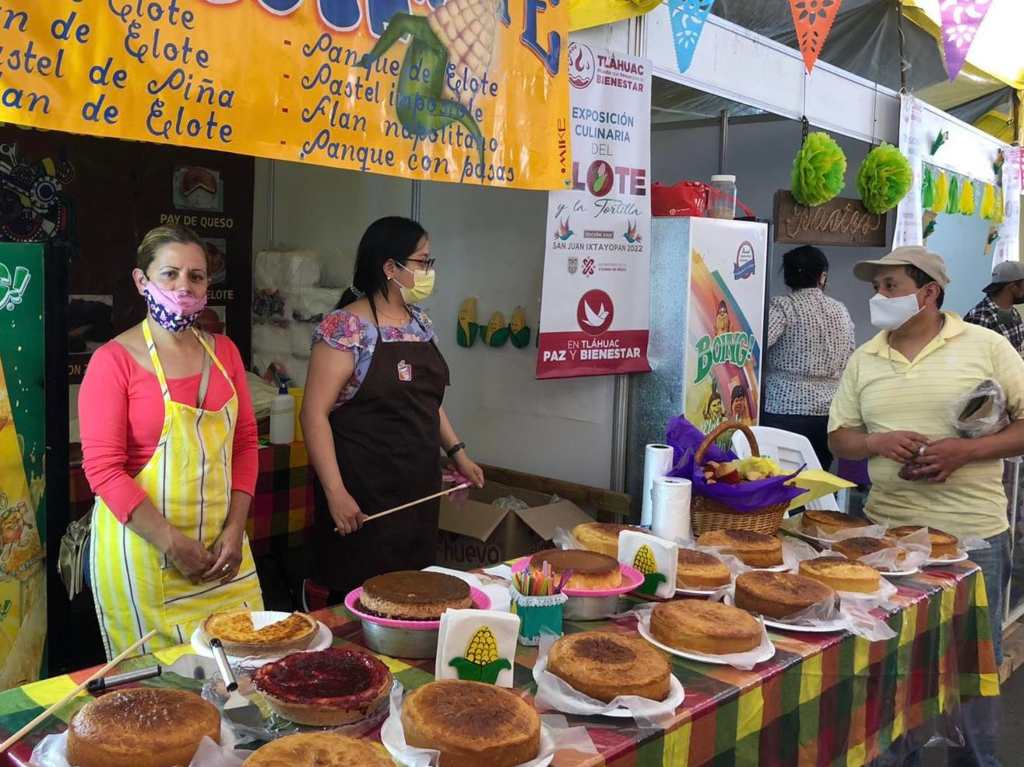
893,313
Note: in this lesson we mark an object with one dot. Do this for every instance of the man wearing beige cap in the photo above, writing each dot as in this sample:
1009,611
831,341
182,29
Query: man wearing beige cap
894,407
996,311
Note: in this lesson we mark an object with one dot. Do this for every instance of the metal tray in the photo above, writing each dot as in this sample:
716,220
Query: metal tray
400,643
592,608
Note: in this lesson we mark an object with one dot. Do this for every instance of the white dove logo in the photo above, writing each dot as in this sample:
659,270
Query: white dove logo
595,322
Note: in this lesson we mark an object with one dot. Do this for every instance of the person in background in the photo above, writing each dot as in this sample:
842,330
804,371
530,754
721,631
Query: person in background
893,408
810,338
996,311
372,415
170,450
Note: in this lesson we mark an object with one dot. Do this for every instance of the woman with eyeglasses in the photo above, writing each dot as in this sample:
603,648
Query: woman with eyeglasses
372,416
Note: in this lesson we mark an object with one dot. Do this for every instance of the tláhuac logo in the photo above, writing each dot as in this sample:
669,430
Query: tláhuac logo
728,347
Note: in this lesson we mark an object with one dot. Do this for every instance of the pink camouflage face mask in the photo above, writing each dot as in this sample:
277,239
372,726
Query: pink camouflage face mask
173,310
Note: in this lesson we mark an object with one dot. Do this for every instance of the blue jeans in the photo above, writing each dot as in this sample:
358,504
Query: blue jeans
982,717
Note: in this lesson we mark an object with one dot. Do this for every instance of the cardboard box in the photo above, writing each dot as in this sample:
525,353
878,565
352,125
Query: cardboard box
477,533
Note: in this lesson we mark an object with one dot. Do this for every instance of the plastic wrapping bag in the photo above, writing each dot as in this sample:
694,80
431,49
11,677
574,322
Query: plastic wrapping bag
555,735
981,412
795,526
312,303
915,549
510,503
555,693
564,540
52,751
751,496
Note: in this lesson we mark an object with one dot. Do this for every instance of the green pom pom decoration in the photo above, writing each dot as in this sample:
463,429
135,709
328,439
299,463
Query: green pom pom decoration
819,170
885,178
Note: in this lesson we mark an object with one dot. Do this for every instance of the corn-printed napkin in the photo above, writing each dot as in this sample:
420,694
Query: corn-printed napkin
477,646
656,559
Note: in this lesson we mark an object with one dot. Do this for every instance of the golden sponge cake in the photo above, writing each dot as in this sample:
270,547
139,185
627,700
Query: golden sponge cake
604,665
471,724
779,595
701,571
753,549
829,522
944,545
602,537
141,727
319,749
842,574
710,628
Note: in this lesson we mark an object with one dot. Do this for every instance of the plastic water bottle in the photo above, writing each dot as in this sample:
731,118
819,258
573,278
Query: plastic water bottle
282,418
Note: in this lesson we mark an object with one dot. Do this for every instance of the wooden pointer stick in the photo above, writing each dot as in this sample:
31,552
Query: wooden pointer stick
96,675
449,491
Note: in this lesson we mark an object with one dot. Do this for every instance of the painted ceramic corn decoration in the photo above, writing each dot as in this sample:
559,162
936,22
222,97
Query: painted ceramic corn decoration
497,332
520,333
462,31
469,30
467,330
645,562
481,663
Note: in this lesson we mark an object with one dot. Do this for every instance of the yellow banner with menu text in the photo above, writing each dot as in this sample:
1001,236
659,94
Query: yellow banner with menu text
471,91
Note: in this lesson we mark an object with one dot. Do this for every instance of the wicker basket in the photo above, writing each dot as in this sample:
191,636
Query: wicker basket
709,514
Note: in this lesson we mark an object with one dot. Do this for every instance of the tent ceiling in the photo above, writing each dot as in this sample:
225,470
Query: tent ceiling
864,40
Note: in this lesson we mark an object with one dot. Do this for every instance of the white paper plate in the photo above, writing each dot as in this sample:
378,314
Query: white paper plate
963,557
832,628
201,644
716,660
698,592
899,573
783,568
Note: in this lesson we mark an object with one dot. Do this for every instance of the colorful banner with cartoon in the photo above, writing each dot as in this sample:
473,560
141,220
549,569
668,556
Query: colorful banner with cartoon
725,322
467,91
22,449
595,309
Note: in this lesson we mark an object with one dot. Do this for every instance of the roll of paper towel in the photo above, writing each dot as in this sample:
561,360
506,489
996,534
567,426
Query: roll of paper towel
657,463
671,508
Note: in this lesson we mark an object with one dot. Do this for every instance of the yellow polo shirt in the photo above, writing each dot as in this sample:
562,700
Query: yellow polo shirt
882,391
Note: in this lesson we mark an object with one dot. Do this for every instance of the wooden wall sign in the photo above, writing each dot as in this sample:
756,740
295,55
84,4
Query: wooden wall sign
842,221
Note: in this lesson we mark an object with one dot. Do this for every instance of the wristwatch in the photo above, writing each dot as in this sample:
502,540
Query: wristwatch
450,452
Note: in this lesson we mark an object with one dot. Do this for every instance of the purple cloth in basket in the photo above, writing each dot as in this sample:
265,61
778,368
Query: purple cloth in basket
685,439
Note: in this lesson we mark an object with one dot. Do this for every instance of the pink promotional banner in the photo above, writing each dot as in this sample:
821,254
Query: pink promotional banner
595,307
960,22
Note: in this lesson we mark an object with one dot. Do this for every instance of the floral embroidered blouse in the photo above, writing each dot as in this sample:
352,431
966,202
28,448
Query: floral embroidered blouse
346,331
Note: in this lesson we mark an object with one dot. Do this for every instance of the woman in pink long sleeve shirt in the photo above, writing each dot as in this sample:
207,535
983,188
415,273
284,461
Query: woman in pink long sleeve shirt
170,450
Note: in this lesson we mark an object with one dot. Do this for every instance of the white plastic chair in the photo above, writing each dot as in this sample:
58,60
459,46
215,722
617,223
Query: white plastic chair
788,449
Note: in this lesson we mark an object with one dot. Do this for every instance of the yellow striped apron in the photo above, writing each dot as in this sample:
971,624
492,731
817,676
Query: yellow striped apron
188,479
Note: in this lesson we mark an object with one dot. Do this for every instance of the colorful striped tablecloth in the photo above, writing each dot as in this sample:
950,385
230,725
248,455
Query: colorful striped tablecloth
282,509
822,701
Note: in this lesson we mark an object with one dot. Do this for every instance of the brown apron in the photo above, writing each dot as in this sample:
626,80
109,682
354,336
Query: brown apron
387,439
